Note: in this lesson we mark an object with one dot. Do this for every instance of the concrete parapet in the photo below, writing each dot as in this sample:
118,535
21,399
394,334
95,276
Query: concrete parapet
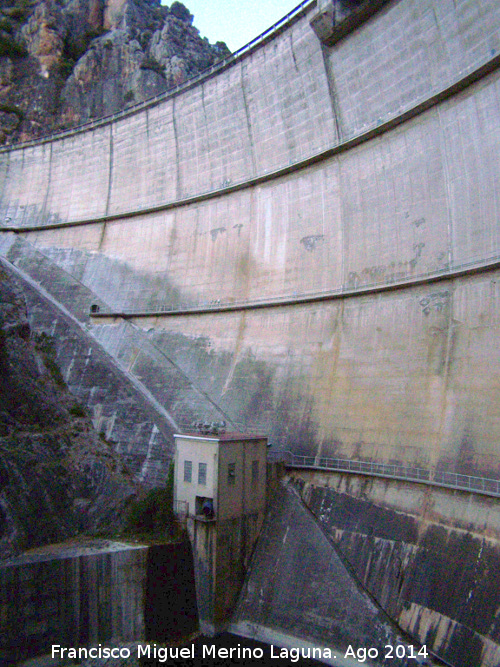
323,21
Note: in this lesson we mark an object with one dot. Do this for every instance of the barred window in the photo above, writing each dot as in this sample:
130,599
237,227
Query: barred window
231,473
202,473
188,471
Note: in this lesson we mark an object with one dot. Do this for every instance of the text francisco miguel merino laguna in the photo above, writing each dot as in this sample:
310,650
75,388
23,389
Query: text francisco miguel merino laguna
165,653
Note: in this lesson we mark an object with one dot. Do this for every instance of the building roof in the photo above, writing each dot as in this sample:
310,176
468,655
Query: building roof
231,436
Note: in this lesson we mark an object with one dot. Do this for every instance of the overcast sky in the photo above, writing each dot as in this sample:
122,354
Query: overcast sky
235,22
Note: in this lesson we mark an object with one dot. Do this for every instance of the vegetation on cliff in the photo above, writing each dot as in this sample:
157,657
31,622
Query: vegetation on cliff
65,62
151,513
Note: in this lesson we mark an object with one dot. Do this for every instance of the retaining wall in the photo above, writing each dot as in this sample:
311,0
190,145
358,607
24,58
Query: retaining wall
77,596
93,592
426,555
298,593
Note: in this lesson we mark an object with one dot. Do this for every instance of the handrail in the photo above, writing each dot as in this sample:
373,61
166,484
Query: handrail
483,485
207,73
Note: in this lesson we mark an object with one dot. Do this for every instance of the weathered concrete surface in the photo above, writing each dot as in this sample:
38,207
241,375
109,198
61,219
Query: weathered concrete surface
72,596
139,433
88,592
128,386
297,586
427,555
391,378
274,107
410,377
414,204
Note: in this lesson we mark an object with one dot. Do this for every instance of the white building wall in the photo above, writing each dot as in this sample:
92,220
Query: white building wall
197,450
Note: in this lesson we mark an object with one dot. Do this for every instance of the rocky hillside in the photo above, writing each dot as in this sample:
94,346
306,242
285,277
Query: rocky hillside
64,62
58,477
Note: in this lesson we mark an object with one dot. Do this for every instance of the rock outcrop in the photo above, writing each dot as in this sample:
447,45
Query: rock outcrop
58,477
65,62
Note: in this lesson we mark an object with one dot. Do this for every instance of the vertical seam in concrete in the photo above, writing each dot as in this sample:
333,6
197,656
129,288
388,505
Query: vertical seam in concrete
177,162
449,342
5,178
293,52
46,199
343,277
148,140
339,315
249,124
101,237
22,172
446,175
207,135
110,170
333,95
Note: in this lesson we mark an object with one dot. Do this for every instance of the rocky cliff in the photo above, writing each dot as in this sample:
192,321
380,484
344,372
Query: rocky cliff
58,477
65,62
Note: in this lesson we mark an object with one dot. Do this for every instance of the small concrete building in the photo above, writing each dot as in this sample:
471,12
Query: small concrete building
227,471
222,480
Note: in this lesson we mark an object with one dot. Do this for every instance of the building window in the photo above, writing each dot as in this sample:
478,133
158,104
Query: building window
231,473
188,471
202,473
255,472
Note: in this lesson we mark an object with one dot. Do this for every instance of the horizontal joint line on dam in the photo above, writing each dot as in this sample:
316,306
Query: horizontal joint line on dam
459,86
276,302
450,480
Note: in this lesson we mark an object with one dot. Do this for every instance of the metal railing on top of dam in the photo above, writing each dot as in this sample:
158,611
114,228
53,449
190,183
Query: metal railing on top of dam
207,73
484,485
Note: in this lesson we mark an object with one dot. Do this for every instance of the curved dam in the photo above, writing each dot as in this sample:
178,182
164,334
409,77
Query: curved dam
300,170
304,242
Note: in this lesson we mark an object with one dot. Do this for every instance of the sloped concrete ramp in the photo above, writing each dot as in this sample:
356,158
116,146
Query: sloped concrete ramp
136,395
299,594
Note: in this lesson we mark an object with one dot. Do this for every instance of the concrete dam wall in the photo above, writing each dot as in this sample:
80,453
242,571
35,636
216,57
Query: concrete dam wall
299,593
360,178
305,243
